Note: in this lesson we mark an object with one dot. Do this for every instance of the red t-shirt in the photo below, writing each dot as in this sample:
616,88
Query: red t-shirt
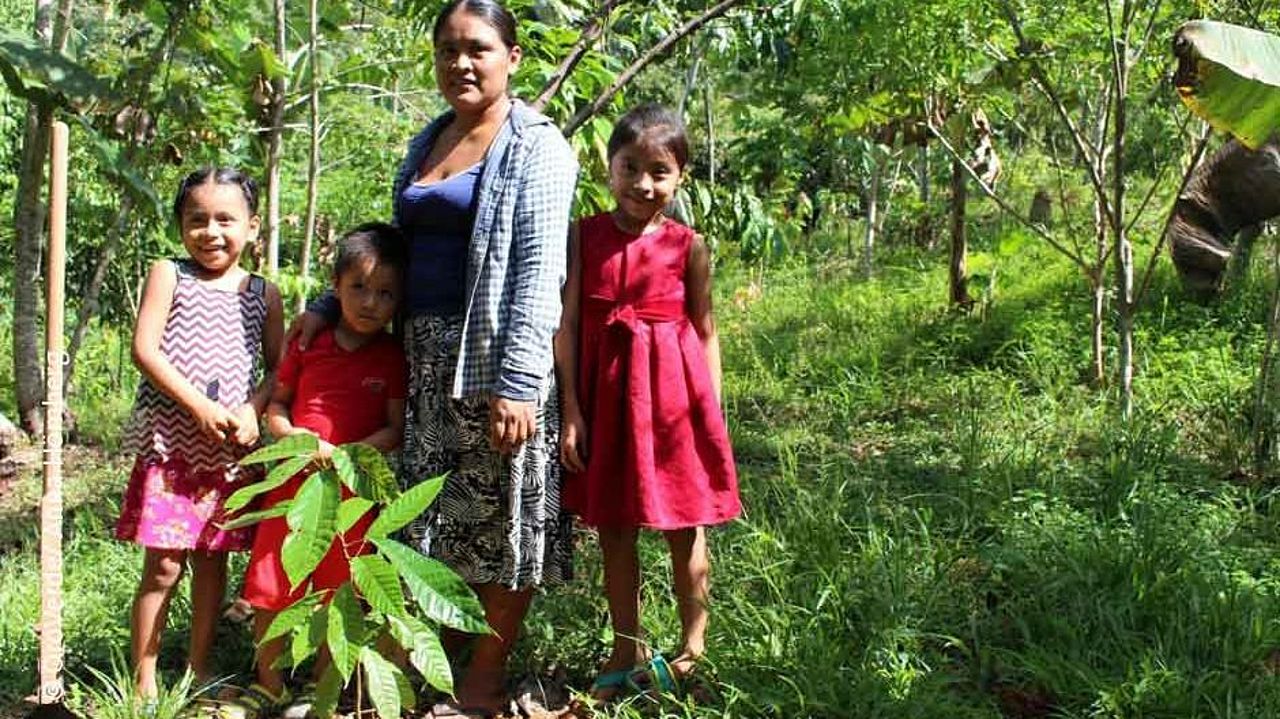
341,395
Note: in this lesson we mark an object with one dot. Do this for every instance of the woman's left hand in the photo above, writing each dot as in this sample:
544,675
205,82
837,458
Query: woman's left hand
511,423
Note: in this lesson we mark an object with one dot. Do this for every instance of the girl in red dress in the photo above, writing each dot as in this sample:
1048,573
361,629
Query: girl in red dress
639,363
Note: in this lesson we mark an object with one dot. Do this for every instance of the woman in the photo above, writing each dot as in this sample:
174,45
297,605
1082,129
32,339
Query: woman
483,198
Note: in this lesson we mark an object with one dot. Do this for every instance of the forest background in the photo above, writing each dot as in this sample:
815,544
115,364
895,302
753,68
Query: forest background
997,459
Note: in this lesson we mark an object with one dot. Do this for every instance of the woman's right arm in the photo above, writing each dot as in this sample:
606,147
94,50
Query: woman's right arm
214,420
321,312
573,437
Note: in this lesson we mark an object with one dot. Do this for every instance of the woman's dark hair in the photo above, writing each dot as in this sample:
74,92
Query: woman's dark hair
218,176
491,11
375,241
658,124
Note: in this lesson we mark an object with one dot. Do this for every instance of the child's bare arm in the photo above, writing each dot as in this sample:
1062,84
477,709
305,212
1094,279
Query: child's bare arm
279,423
573,435
214,420
566,339
389,437
697,282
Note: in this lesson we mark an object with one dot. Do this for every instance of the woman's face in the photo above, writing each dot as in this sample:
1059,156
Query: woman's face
473,64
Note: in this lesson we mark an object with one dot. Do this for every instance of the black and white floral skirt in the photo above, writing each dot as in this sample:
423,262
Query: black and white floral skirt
498,519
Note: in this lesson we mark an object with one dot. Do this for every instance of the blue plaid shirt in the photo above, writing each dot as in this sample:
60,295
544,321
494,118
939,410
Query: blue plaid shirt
516,259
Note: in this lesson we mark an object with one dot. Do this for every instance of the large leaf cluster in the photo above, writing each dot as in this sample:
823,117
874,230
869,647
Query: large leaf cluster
364,618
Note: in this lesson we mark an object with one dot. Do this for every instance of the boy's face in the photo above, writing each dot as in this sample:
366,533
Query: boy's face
369,293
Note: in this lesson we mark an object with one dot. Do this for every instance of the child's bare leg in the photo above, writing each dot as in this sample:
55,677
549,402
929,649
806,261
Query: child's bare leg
208,583
691,568
269,677
622,589
161,571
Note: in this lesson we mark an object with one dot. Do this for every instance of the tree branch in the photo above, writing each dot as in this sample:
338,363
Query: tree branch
1042,81
644,61
1035,227
1168,220
590,33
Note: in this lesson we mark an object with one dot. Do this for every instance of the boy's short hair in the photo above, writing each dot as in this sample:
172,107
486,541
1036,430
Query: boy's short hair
377,241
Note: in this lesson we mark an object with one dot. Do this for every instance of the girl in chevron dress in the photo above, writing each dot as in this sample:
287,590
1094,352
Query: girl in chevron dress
205,328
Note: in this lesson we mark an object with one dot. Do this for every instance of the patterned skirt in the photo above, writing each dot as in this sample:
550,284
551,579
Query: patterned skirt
498,518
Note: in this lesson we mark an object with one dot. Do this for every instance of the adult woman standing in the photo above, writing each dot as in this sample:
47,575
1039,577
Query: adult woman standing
483,197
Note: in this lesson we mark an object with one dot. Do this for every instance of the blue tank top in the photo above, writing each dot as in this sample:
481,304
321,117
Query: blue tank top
437,219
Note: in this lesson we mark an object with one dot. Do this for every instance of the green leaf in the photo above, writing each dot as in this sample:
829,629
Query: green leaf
309,642
328,692
345,632
350,512
37,73
252,518
379,583
345,466
438,590
373,476
384,681
292,617
313,523
278,475
406,507
303,443
425,651
1230,76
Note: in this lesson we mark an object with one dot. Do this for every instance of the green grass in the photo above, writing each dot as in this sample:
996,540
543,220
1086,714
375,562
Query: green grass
942,518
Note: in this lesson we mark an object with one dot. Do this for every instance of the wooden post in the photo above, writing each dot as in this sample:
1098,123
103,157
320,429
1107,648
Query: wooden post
51,650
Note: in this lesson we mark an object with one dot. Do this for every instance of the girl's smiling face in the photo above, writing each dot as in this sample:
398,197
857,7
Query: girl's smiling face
643,178
472,62
216,225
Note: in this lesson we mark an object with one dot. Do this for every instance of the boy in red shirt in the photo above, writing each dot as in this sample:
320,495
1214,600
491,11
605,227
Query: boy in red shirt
347,386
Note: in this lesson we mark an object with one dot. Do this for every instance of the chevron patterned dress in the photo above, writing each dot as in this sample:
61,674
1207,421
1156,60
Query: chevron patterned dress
181,478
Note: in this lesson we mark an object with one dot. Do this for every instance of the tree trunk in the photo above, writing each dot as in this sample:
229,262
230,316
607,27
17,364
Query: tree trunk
313,164
872,214
89,299
1098,286
28,221
958,272
922,174
275,148
711,135
1119,235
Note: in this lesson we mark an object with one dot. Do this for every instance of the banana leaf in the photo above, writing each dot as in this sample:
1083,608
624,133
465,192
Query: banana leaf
1230,76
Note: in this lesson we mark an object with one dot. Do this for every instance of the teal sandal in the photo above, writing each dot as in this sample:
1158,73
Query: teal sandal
655,675
611,683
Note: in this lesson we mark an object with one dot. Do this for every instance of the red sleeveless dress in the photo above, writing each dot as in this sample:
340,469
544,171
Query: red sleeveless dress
658,452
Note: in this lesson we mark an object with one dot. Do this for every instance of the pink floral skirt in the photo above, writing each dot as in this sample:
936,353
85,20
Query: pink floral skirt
170,506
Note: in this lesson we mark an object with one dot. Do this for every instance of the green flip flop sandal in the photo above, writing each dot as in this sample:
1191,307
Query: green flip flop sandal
655,676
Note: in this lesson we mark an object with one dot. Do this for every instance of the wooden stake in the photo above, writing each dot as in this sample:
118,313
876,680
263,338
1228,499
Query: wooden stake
51,650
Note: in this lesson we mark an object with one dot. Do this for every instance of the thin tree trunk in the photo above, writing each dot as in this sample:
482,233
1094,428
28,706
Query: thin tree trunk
922,174
711,135
1098,286
958,273
1119,234
28,220
313,164
89,301
275,148
871,212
